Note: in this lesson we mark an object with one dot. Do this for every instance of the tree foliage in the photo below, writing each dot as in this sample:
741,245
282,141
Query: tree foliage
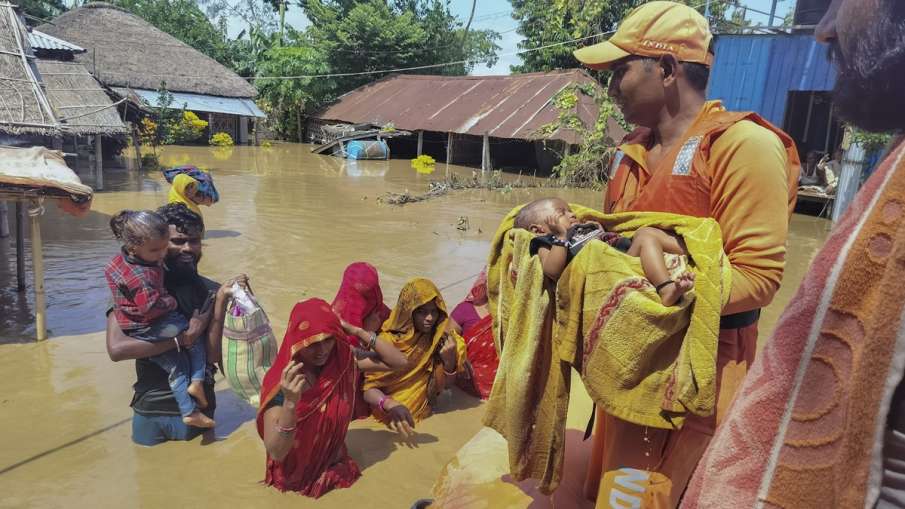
545,22
371,35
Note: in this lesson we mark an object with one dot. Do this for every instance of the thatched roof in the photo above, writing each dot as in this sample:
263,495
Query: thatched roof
127,51
24,109
78,100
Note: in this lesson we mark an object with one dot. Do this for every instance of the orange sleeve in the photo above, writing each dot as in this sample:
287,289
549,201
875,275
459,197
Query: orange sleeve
749,198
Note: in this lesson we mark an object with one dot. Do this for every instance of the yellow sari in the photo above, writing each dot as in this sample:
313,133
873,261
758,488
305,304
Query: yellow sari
177,192
424,378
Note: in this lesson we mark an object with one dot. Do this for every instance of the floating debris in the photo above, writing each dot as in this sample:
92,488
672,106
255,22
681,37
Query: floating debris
493,181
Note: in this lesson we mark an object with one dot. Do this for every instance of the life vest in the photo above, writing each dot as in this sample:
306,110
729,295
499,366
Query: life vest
681,183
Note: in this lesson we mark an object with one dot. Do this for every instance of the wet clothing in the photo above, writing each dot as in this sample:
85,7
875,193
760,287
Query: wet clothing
741,171
139,296
153,397
480,349
422,380
318,461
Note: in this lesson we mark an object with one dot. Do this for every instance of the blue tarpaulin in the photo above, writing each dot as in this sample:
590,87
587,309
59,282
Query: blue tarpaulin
198,102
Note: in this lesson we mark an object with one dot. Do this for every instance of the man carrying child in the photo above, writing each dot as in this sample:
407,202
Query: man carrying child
689,156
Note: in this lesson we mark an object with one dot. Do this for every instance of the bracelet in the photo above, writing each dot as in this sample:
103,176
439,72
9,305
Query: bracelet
381,402
560,242
285,431
178,348
373,342
454,372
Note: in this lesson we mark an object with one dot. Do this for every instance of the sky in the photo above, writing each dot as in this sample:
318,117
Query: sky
496,15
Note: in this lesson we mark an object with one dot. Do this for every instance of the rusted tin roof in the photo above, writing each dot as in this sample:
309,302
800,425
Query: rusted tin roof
513,107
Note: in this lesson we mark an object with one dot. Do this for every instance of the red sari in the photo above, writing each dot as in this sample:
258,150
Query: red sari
480,348
359,295
318,461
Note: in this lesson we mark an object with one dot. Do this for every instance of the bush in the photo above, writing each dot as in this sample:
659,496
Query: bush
222,139
424,164
188,129
266,144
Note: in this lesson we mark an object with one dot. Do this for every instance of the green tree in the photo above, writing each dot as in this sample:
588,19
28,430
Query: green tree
371,35
285,100
545,22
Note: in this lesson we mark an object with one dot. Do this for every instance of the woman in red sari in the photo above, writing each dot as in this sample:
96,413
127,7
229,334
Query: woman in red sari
359,300
308,397
471,318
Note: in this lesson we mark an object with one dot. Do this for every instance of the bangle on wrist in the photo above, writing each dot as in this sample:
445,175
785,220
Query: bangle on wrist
285,430
373,342
178,347
382,401
450,373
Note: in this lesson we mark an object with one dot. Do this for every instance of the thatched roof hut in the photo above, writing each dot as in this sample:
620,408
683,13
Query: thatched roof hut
24,109
80,103
127,51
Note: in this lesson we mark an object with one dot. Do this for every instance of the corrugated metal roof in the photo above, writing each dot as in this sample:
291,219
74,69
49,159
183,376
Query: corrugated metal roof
199,102
757,72
39,40
500,106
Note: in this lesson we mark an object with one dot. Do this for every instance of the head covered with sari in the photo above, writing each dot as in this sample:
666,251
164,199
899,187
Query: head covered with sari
179,192
411,385
478,293
323,412
205,182
359,295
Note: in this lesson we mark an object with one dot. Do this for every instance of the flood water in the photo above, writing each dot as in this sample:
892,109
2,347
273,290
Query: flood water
292,221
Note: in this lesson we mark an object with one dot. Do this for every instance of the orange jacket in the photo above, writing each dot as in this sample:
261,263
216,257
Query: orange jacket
734,167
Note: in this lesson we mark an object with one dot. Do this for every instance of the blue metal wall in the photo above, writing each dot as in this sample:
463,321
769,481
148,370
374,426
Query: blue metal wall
757,72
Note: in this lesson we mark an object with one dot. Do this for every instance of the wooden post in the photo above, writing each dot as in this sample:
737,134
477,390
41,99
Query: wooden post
449,148
20,246
420,142
137,145
37,261
485,154
4,220
98,163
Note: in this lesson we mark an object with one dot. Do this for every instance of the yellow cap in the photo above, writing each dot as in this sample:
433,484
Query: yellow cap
652,30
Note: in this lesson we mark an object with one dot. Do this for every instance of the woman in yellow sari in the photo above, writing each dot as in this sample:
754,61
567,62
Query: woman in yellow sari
419,328
184,190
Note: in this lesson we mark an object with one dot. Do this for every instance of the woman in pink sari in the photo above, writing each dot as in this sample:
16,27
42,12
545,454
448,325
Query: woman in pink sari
471,318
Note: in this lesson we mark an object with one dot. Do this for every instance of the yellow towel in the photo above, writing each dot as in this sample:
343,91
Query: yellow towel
640,361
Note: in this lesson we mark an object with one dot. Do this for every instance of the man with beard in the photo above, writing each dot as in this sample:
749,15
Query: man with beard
689,156
820,420
156,416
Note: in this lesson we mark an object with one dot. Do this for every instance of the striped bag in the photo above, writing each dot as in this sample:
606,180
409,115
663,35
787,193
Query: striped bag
249,346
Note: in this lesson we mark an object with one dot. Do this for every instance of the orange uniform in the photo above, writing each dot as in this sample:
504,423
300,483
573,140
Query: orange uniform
743,172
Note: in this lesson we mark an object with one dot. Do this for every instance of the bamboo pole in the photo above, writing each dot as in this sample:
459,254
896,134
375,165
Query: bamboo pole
37,260
20,246
485,154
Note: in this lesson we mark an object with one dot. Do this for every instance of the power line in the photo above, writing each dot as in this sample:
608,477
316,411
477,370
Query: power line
418,67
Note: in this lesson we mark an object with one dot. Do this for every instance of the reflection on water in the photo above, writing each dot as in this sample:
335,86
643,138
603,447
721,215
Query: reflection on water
292,221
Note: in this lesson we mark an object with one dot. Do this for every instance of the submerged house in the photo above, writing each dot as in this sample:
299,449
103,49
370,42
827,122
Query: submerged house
492,121
48,99
133,58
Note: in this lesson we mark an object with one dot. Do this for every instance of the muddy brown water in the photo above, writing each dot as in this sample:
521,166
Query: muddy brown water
292,221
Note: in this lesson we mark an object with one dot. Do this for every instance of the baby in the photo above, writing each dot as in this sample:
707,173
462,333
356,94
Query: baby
145,311
560,237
